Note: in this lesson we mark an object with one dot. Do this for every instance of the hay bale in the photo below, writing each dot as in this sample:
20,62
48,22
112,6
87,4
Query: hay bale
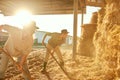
101,14
86,47
94,17
108,1
108,43
111,1
97,35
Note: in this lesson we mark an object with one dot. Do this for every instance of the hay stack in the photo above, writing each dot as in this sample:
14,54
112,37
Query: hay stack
86,47
108,42
94,18
101,14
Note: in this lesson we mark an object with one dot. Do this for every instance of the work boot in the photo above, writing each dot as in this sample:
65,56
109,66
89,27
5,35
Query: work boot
44,68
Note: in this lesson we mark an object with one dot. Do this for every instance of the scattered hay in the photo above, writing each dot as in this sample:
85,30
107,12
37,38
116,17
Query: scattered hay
86,69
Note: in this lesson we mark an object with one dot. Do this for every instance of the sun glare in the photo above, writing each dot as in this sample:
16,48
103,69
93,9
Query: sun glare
23,17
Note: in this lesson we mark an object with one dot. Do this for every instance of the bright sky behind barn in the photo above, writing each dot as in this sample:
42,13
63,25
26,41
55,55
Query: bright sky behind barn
49,23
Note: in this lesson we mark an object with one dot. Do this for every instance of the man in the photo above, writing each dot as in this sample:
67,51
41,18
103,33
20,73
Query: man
54,43
19,45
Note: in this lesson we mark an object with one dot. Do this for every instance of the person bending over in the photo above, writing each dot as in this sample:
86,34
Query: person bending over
54,43
19,45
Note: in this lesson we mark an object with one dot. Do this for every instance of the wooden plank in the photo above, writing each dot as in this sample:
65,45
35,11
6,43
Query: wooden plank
96,3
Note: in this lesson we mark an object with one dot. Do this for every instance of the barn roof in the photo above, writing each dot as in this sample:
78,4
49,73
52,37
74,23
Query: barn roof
38,7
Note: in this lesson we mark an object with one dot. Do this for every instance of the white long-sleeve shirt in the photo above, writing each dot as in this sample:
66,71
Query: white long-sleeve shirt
19,41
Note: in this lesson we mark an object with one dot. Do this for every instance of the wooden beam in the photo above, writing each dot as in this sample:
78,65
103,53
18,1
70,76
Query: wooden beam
38,7
96,3
75,28
83,7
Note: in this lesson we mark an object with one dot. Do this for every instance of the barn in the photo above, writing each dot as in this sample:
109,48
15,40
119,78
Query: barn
98,55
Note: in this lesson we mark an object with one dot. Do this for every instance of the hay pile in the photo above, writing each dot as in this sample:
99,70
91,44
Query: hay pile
107,40
101,14
97,35
94,17
86,47
83,69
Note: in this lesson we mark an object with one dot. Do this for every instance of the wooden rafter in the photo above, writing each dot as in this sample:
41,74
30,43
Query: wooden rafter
39,7
96,3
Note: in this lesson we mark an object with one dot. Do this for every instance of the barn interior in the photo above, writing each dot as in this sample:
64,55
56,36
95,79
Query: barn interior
94,57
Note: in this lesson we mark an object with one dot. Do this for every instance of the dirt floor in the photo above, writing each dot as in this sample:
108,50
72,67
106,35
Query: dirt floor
83,68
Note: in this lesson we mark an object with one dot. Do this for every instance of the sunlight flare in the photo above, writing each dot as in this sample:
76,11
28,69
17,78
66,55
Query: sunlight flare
23,17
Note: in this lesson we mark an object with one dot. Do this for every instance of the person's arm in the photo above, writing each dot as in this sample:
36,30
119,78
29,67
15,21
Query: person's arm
8,28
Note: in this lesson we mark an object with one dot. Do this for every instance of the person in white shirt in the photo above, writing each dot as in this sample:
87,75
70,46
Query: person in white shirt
19,45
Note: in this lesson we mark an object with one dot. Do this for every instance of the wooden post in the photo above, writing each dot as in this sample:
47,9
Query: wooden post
83,6
75,28
82,16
